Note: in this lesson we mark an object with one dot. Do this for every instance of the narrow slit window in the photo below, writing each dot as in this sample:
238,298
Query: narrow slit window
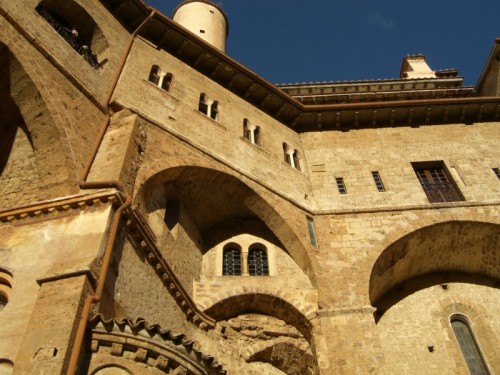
231,262
497,172
378,181
312,232
258,264
468,346
341,185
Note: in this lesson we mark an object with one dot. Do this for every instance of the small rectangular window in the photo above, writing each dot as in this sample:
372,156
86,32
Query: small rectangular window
312,232
497,172
378,181
341,185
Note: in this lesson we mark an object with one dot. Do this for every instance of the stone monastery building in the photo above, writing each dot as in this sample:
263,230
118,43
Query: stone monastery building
165,210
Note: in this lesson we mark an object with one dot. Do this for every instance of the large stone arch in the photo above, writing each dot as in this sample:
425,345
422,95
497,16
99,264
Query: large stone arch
33,164
262,304
287,355
447,251
219,204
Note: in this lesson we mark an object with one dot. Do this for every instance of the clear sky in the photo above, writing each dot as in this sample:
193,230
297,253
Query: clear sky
291,41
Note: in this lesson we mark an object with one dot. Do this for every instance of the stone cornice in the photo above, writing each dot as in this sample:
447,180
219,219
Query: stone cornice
56,208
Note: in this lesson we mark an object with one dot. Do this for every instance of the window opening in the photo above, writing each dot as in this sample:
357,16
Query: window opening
167,81
436,184
256,135
288,159
468,346
497,172
341,185
312,232
203,105
378,181
296,161
5,288
214,111
160,78
257,262
231,262
154,75
70,34
246,130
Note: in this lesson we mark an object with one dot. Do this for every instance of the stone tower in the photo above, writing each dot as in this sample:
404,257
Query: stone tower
205,19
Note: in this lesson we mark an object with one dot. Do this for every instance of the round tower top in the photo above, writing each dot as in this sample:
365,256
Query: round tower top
216,6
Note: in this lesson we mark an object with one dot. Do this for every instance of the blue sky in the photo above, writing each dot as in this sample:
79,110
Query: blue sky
289,41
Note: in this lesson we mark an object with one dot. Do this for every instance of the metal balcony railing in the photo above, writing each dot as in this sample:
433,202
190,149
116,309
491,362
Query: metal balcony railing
441,192
71,36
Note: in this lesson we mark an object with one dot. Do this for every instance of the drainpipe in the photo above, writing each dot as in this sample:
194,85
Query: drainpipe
115,221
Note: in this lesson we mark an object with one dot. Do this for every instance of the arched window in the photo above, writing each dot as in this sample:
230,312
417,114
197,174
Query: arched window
161,79
154,74
286,154
246,130
231,261
167,81
214,110
6,280
256,135
258,264
203,105
468,345
296,160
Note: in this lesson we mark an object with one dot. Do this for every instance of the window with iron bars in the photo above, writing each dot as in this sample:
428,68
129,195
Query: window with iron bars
257,262
437,184
231,262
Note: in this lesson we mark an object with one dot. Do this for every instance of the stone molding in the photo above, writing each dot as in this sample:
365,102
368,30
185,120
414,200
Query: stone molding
57,208
144,237
150,344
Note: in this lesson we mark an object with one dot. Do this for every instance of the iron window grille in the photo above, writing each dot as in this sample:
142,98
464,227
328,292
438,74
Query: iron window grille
378,181
341,185
437,185
231,262
258,264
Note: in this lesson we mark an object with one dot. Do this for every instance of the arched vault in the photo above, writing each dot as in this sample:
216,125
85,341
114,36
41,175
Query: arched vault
451,248
220,205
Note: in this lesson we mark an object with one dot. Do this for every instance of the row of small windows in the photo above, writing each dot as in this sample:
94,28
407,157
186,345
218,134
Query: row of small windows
434,179
210,108
257,262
